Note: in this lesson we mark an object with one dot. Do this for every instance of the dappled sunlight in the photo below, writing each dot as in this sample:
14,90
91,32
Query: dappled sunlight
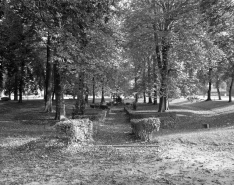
16,141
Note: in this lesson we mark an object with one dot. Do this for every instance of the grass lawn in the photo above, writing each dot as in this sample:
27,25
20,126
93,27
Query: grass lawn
31,153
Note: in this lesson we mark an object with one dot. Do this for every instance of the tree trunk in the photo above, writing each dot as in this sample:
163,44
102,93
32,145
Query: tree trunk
150,99
136,95
144,82
21,84
230,90
16,86
1,74
48,81
9,95
163,104
103,98
218,91
87,95
60,106
80,95
219,94
209,92
210,84
155,80
93,90
149,81
157,59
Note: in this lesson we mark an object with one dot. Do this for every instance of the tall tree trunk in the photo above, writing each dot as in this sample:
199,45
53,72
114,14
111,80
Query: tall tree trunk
93,90
158,60
155,80
16,86
218,89
163,101
219,94
144,82
1,74
48,81
21,82
149,81
230,90
210,84
60,106
136,95
103,98
87,95
80,107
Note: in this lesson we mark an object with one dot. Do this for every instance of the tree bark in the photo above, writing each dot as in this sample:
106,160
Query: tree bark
1,74
163,104
149,81
136,95
144,81
230,90
16,86
87,95
155,80
103,98
60,106
218,91
80,95
21,82
219,94
210,84
48,81
93,90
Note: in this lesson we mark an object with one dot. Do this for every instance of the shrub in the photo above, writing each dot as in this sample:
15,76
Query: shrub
77,130
5,98
63,127
145,128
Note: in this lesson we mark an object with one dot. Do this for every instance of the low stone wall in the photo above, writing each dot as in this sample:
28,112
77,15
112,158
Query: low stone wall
168,120
77,130
146,128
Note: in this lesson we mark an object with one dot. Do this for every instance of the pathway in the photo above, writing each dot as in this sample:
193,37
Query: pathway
116,129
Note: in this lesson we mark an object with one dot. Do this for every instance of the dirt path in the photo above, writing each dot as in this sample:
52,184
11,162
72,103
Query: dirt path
116,130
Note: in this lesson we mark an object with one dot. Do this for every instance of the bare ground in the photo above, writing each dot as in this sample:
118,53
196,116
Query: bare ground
189,154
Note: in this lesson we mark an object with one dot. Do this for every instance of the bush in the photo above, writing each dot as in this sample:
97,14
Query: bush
145,128
168,119
5,99
63,127
77,130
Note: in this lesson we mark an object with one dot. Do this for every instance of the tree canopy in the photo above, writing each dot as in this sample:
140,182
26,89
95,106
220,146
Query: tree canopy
163,49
